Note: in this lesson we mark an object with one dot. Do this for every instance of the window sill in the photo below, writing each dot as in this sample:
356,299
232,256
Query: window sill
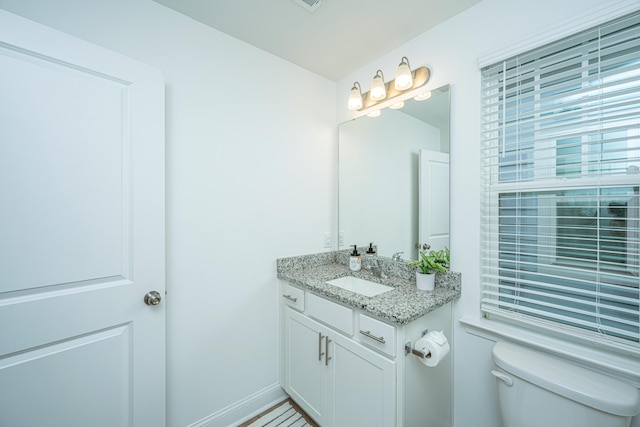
623,366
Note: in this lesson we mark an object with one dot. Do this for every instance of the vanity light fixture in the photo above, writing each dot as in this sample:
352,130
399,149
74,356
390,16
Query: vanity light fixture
397,105
423,96
404,79
382,95
355,97
378,89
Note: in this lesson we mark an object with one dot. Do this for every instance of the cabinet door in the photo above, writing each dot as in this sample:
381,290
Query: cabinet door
362,386
305,377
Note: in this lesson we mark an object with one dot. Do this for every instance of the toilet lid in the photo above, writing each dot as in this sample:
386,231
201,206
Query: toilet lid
571,381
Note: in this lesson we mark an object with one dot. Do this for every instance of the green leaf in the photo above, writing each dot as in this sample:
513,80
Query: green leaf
434,260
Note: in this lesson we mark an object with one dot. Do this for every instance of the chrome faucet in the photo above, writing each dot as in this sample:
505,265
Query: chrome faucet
372,264
396,256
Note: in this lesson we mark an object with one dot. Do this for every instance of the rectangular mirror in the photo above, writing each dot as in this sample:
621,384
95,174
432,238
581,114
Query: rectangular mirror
393,178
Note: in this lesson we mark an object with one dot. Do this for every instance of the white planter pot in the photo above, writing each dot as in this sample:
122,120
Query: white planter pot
425,282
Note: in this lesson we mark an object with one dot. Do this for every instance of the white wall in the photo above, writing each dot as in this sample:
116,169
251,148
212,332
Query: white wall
251,158
452,50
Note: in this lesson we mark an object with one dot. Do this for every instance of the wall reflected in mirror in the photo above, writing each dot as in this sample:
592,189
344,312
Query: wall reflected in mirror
381,197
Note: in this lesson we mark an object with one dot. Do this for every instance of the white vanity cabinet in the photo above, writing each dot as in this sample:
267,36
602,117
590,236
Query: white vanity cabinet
346,368
336,380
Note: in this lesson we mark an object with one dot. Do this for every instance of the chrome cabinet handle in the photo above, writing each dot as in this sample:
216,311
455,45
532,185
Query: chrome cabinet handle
326,348
373,337
290,298
320,353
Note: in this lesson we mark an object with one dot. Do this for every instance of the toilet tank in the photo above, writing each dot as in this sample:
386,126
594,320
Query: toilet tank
536,389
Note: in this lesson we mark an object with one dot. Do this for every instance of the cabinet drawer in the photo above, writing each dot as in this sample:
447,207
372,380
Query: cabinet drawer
335,315
293,297
377,334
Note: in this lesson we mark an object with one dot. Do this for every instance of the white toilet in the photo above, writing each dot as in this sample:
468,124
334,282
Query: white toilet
538,390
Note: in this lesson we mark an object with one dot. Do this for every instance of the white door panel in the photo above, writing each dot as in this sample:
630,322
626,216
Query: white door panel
82,233
62,151
94,383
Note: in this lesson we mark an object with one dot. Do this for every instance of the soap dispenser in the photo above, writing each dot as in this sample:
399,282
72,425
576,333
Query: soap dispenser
355,261
371,251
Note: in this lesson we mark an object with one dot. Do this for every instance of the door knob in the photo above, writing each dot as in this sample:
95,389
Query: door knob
152,298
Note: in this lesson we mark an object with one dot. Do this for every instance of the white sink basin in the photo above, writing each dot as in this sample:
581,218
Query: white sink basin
360,286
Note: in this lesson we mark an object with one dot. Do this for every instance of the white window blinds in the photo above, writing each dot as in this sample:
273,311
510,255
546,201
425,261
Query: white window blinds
560,182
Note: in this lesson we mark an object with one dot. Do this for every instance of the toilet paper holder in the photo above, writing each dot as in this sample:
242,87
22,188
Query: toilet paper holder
408,348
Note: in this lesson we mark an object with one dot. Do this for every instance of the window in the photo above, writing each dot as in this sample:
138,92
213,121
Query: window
560,183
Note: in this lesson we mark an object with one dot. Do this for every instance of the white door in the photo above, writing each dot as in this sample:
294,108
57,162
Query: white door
433,199
81,233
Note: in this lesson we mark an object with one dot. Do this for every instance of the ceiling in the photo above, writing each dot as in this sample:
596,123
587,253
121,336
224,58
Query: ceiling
339,37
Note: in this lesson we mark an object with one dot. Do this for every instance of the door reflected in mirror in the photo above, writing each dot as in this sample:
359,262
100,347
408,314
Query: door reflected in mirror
393,174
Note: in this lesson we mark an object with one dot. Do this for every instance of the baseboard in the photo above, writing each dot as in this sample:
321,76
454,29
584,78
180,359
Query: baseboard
244,409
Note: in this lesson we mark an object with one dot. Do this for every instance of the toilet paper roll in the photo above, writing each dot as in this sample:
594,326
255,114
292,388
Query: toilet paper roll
436,344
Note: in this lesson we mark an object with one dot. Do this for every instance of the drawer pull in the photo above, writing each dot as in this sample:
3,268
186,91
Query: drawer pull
373,337
290,298
326,350
320,352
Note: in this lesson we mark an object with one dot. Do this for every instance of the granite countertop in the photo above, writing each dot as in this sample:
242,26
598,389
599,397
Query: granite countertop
400,306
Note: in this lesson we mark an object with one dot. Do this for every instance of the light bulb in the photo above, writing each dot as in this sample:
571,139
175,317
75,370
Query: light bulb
423,96
378,91
404,79
397,105
375,113
355,97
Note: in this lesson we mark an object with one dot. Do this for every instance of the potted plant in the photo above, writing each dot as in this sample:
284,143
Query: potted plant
427,266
